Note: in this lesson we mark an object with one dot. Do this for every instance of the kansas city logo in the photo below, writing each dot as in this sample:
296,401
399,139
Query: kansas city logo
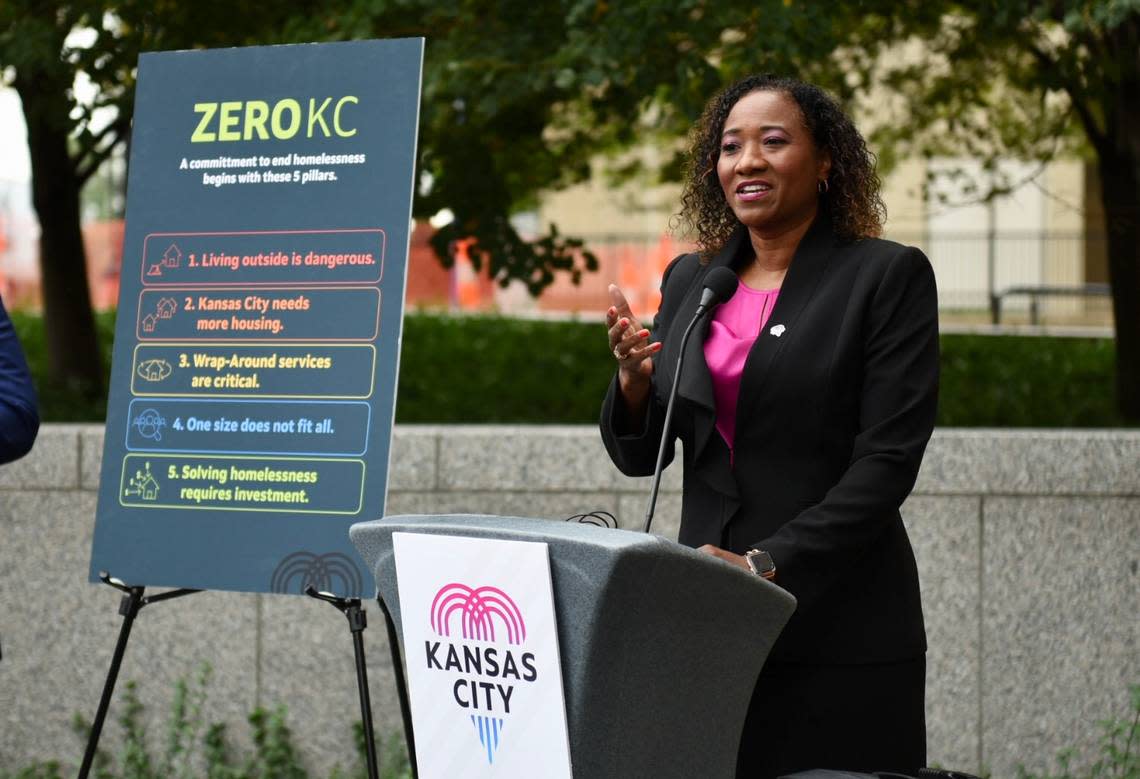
485,676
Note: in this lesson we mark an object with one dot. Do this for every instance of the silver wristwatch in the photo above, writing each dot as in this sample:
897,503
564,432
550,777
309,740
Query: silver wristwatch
761,564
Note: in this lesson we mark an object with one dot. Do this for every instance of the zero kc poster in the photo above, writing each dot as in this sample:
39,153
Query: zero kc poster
257,341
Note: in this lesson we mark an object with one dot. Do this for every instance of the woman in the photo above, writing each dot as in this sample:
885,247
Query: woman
804,410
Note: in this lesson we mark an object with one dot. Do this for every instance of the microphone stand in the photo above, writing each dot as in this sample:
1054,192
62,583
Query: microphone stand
701,311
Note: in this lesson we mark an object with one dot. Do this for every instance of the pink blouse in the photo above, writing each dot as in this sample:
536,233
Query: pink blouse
733,330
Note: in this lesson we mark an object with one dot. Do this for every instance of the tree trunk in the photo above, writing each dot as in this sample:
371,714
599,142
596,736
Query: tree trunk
73,351
1120,188
1118,152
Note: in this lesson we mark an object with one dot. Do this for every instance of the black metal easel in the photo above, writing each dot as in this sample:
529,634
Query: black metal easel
132,602
357,622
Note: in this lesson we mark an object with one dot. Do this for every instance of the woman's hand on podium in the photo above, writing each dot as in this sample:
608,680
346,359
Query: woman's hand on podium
727,556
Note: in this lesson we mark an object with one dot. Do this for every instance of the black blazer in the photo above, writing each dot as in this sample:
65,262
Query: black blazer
832,420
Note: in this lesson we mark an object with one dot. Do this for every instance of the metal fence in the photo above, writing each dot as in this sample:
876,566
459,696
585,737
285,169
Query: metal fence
1044,275
973,270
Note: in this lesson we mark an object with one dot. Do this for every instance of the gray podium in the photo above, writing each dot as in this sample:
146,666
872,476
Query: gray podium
660,645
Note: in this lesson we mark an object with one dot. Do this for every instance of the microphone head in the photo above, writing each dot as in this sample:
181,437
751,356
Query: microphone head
720,285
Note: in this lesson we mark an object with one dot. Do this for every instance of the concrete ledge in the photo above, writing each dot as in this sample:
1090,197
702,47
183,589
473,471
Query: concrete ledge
53,462
1031,462
1027,542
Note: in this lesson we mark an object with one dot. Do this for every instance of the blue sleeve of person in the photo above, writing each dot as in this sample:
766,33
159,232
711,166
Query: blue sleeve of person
19,417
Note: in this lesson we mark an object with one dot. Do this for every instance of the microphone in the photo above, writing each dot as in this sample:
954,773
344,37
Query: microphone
720,285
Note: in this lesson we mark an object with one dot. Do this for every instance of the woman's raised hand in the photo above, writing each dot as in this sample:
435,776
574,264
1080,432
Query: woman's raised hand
630,344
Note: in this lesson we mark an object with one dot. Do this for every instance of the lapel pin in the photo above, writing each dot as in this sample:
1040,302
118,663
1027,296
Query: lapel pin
777,330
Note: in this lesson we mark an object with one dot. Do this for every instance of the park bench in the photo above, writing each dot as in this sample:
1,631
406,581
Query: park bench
1037,291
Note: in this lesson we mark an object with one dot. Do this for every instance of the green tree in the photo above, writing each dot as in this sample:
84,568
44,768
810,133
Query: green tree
991,79
520,95
1031,80
43,47
43,71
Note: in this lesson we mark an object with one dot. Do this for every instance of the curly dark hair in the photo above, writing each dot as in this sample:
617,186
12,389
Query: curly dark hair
853,199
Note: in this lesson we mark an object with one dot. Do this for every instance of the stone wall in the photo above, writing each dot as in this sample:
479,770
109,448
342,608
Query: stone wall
1027,541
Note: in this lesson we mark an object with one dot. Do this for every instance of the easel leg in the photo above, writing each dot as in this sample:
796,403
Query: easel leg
357,622
129,607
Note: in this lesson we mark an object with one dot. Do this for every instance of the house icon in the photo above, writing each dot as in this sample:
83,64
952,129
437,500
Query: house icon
148,323
172,256
143,484
167,308
148,487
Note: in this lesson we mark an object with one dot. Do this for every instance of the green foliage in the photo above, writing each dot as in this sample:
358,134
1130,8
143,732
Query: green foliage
391,754
495,369
488,96
195,749
490,369
1119,751
49,770
36,49
185,725
274,755
486,369
1027,381
521,96
60,402
135,757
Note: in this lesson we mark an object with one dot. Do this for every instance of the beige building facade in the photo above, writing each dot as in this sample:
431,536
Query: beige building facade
1043,233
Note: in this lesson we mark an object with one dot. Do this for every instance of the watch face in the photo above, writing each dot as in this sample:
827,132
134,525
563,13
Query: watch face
759,561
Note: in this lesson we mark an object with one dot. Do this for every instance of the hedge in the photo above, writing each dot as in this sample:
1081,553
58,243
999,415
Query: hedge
483,369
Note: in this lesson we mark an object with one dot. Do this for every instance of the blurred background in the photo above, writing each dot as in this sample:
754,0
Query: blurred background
553,141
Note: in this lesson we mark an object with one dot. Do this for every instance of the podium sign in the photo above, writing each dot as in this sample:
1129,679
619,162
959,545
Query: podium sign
484,674
260,310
